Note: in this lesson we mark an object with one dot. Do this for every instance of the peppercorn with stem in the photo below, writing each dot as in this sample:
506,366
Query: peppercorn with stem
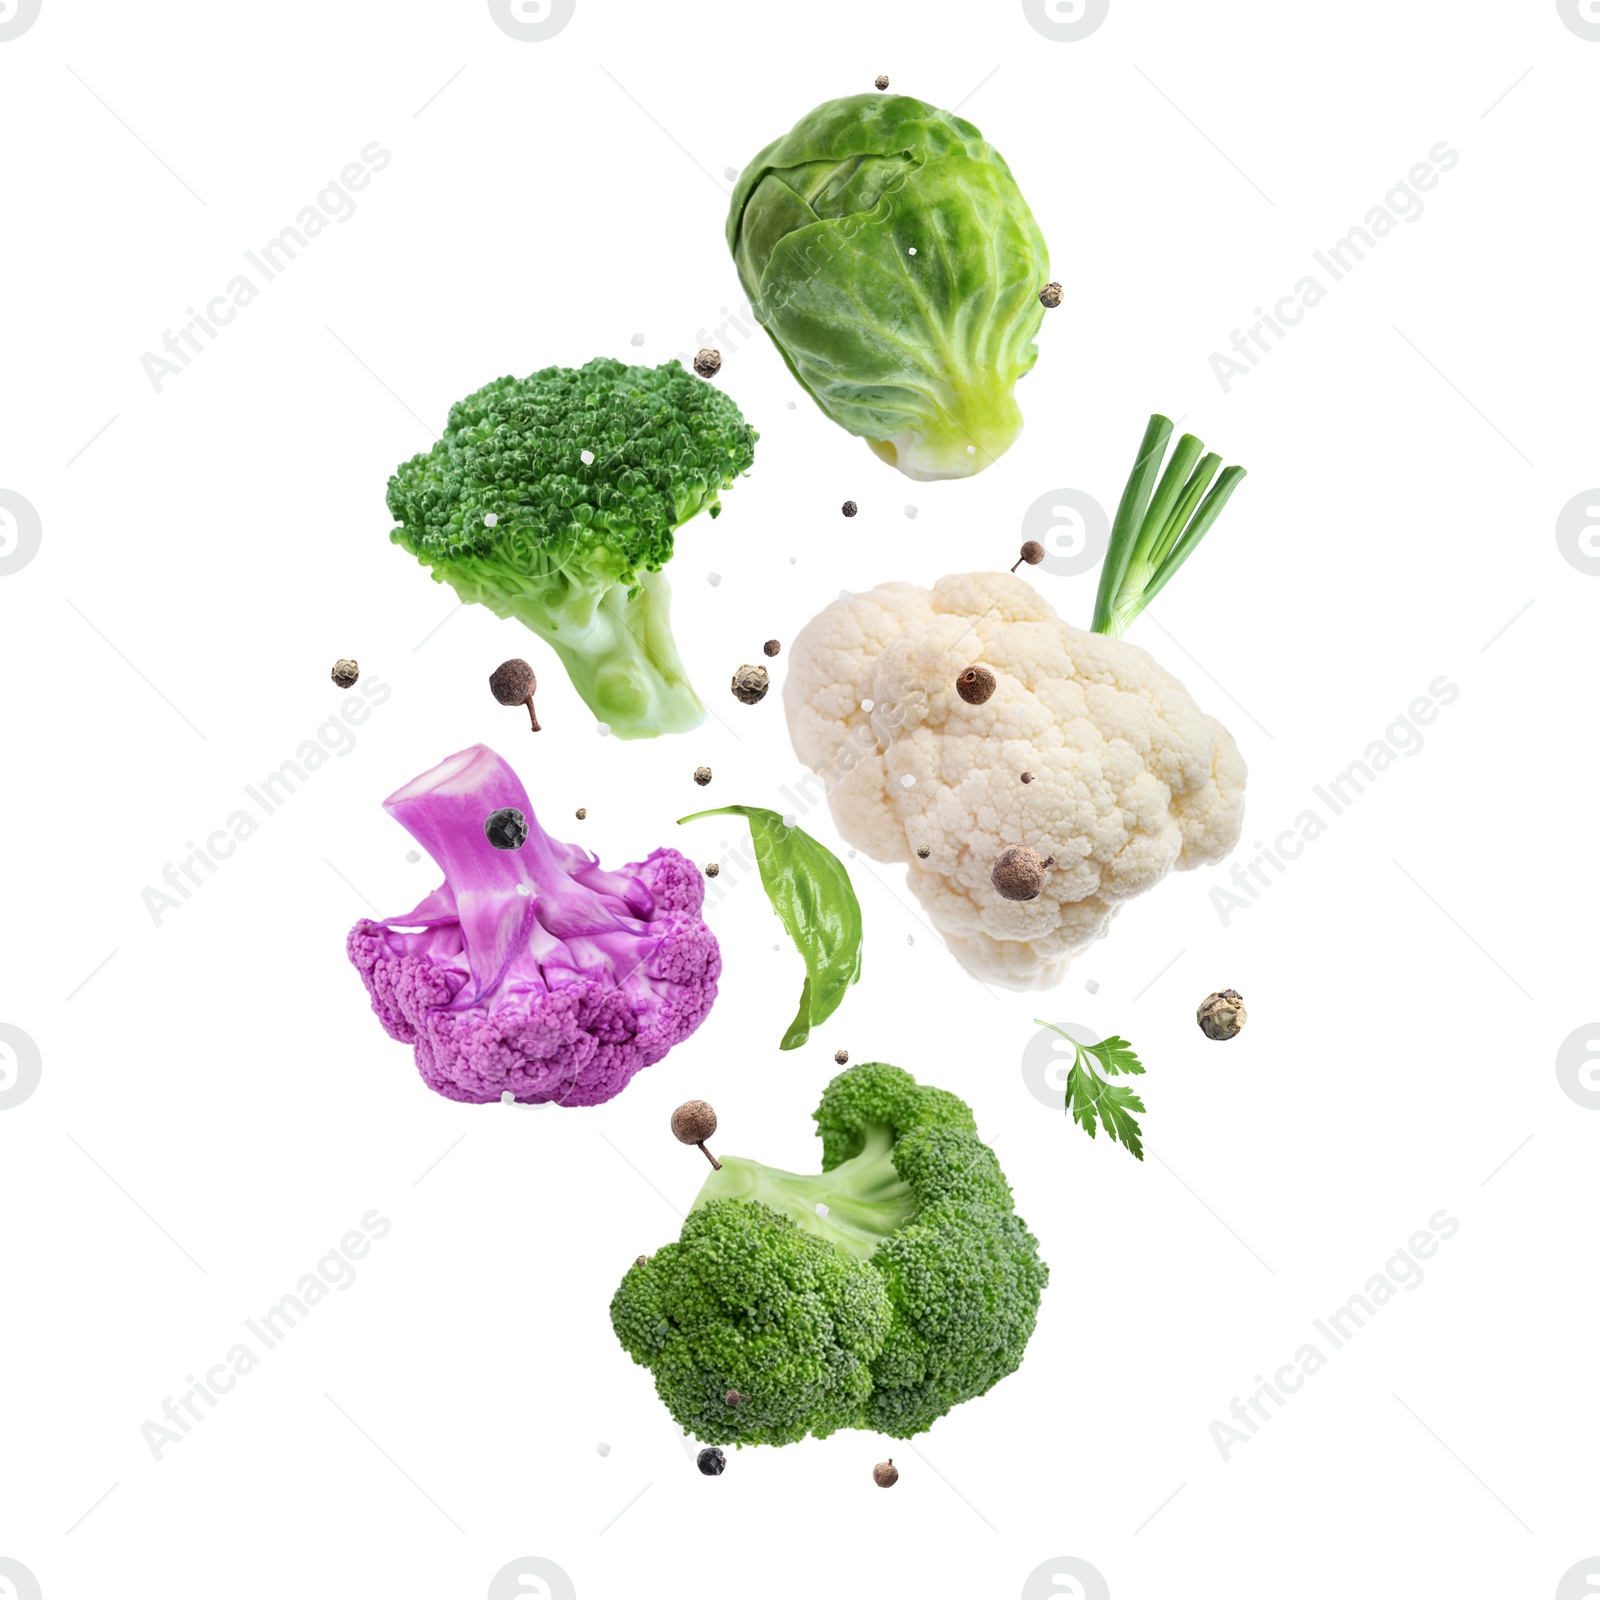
975,685
886,1474
1032,553
345,672
512,683
708,363
733,1398
1018,872
693,1123
1027,777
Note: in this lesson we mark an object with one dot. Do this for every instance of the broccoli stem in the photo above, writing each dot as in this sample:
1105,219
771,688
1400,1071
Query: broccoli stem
621,657
867,1199
1158,525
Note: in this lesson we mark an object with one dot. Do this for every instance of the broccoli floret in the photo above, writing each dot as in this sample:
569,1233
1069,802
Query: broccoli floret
915,1289
533,970
506,510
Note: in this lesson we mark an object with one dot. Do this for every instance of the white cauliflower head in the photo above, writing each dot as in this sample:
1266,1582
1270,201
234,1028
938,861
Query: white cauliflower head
1130,777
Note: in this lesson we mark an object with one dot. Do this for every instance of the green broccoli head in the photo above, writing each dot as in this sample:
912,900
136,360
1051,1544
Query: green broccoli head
746,1301
554,500
914,1288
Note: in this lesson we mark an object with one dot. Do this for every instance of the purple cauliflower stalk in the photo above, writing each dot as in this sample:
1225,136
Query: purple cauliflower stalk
533,970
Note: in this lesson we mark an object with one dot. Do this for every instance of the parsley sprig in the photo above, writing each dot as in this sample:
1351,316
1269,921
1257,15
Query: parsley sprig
1092,1101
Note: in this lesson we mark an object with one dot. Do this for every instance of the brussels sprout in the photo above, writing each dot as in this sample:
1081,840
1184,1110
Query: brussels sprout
887,250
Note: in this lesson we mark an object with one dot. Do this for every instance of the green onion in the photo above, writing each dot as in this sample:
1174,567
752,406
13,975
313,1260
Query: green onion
1158,524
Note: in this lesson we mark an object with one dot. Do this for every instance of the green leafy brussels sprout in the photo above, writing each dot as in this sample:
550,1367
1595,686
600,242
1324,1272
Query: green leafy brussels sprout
887,250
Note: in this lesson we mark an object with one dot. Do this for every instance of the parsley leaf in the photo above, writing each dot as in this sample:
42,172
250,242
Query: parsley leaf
1115,1055
1089,1096
1091,1101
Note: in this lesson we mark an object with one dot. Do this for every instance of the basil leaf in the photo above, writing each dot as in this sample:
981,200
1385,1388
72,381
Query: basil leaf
810,890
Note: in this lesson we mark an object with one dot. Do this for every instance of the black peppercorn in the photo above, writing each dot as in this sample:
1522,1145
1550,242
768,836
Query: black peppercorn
1221,1015
975,685
506,829
750,684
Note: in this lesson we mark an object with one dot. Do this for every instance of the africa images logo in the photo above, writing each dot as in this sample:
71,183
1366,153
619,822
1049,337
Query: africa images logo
532,21
21,532
16,17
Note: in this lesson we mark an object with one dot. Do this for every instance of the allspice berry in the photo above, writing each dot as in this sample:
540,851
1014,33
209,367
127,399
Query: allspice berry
886,1474
841,1056
693,1123
1221,1015
702,776
771,647
1050,296
849,508
345,673
975,685
1018,872
512,683
1032,553
750,684
708,363
882,80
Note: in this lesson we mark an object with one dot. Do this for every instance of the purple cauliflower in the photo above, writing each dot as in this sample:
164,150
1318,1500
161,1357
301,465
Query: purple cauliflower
533,970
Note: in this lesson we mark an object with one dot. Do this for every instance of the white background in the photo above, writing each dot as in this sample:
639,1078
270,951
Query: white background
218,1106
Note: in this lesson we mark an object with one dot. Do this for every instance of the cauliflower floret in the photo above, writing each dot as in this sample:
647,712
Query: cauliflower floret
1130,778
